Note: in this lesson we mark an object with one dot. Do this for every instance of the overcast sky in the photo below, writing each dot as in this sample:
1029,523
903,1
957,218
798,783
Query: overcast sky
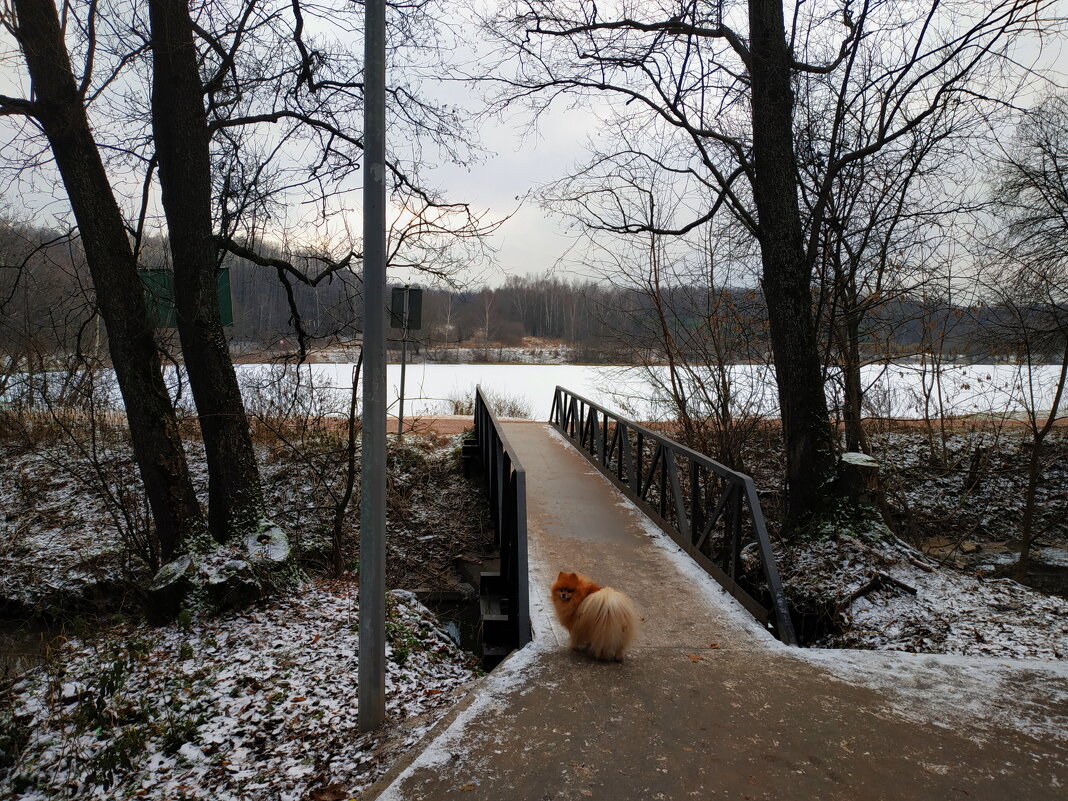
533,241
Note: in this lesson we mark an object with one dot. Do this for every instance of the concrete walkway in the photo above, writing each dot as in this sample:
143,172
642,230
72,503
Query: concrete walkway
707,705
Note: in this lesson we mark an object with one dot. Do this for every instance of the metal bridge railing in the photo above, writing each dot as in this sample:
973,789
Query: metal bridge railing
711,511
506,486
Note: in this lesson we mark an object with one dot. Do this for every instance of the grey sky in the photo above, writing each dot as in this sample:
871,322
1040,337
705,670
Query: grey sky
533,241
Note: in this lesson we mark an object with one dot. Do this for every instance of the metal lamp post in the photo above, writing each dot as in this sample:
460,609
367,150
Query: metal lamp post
372,665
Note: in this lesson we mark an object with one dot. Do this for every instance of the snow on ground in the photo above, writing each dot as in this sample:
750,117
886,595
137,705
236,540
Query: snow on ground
975,483
63,548
901,390
47,508
534,350
259,705
950,613
263,705
898,390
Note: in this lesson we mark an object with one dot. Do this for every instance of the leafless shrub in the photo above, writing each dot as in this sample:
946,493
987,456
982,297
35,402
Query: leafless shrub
503,404
67,417
310,421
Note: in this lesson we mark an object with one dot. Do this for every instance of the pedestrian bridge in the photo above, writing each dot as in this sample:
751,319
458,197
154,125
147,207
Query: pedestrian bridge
708,704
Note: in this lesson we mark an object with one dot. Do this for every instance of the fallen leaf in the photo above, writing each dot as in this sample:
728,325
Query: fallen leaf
714,645
694,657
468,786
300,698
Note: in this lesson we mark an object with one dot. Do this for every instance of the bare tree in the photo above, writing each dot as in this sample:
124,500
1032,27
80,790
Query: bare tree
255,112
724,103
1032,286
58,107
182,138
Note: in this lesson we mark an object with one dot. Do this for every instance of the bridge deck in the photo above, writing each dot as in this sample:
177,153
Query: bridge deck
747,719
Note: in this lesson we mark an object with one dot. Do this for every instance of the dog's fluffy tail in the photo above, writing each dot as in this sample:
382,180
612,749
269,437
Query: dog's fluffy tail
606,623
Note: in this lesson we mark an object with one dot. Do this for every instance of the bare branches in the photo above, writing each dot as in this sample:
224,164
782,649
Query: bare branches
677,25
285,267
887,72
283,90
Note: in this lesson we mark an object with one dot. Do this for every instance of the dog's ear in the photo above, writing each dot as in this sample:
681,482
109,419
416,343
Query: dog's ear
562,575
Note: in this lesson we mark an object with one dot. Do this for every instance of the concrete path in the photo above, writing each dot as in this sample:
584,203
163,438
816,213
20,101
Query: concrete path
707,705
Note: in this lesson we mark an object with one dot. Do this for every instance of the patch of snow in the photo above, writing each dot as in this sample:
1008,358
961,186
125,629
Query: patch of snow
1057,557
268,542
859,459
1030,696
226,709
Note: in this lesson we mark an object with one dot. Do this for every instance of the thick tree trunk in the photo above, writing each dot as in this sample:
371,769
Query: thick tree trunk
179,123
153,429
786,280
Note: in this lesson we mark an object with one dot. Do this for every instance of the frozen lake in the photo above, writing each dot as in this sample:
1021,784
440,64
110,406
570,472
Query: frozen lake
906,390
897,390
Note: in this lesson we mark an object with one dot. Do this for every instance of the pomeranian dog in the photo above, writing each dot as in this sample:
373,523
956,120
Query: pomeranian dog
601,621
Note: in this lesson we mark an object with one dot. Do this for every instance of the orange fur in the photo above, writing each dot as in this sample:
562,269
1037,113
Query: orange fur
601,621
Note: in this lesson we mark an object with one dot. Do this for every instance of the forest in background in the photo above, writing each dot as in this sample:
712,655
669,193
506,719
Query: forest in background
49,314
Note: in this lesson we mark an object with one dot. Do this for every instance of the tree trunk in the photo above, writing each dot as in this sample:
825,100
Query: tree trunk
179,123
853,388
786,277
157,445
1028,524
1034,467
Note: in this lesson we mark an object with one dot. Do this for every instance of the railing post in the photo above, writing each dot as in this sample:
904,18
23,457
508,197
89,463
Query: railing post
640,463
682,523
734,520
593,421
663,479
626,457
697,507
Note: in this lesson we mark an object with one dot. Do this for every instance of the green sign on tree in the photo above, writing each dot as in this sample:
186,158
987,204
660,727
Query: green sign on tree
159,296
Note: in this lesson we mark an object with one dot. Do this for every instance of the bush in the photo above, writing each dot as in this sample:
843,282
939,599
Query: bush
503,404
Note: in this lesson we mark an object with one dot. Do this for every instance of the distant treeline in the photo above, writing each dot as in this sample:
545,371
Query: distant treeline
46,306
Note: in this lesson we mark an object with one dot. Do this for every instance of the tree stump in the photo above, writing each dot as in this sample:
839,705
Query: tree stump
858,478
169,589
